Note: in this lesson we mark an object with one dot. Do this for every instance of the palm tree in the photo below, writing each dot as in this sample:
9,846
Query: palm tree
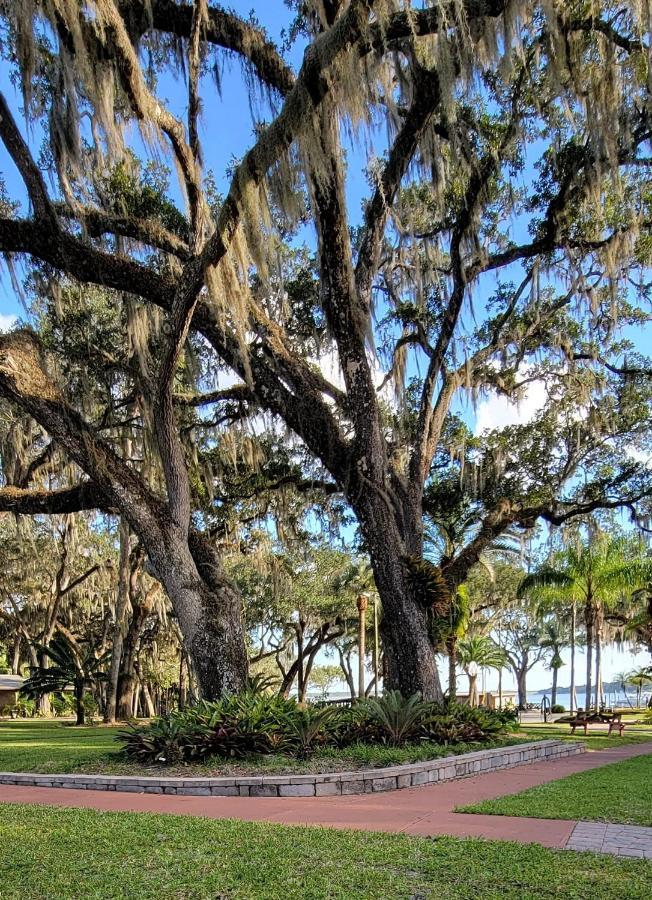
447,631
554,638
71,667
639,679
476,652
593,574
452,520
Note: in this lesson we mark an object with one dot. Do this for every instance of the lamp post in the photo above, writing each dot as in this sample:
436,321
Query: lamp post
363,603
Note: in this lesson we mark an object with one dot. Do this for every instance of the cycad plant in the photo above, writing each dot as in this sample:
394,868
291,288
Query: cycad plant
72,667
399,717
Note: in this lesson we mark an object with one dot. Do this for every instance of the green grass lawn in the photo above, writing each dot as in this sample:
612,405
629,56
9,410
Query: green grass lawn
30,745
57,853
34,745
594,740
620,792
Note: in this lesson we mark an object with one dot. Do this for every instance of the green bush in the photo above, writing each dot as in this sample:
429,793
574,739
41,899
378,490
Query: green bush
558,708
62,704
252,723
21,709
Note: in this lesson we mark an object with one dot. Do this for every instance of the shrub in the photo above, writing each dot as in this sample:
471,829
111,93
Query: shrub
400,718
558,708
258,724
21,709
62,704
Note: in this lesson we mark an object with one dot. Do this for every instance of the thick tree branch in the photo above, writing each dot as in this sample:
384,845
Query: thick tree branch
83,262
223,28
29,171
96,222
426,97
31,502
24,381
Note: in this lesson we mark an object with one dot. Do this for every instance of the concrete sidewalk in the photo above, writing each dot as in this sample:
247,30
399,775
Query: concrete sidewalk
427,810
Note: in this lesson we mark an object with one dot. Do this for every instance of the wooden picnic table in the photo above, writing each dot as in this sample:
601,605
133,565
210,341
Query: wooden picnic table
594,717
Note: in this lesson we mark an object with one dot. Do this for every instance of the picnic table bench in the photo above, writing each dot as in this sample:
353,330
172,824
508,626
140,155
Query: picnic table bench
584,719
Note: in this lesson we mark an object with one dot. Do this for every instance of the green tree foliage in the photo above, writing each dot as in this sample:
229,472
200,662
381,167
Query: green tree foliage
475,653
594,573
74,666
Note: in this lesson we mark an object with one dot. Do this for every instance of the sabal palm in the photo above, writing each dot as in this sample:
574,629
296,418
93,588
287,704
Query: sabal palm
72,666
481,650
446,632
639,679
592,574
554,638
448,528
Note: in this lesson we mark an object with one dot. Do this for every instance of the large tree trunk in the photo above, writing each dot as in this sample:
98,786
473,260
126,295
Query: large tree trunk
589,619
521,684
209,610
409,655
555,672
207,606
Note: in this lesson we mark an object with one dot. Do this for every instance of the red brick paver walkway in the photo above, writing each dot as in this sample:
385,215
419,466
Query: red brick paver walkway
426,810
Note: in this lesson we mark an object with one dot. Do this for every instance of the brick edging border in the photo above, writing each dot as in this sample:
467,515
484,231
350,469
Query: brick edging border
363,781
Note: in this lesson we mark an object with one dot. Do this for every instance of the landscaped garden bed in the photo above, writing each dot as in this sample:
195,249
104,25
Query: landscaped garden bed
257,744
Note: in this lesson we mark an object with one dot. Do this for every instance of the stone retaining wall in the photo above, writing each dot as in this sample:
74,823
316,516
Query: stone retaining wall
363,781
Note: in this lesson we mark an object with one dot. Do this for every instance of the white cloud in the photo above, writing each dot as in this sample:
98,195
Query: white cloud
7,321
497,411
639,455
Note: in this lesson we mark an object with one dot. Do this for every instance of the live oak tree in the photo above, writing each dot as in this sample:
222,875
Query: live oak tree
501,242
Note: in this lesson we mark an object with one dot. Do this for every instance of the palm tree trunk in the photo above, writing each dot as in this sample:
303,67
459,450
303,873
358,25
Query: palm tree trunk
598,664
572,662
553,701
589,620
473,690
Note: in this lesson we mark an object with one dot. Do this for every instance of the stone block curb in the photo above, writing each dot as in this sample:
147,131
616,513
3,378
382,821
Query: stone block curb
363,781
